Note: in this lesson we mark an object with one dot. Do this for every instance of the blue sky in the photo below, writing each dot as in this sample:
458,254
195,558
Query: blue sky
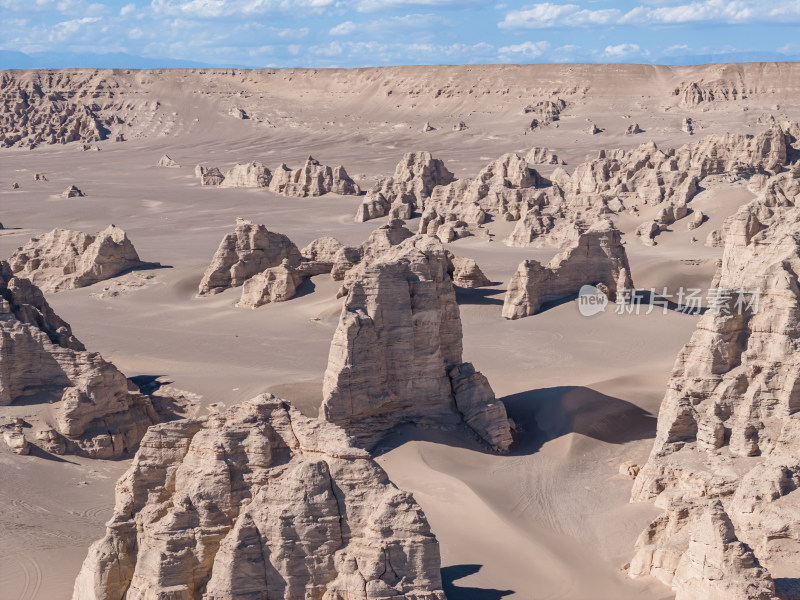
352,33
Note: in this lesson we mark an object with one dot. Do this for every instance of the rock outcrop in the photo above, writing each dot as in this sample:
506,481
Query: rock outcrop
275,284
166,161
412,184
396,354
91,409
379,241
633,129
467,273
63,259
594,257
728,427
320,256
210,176
72,191
260,502
249,250
542,156
250,175
312,179
545,112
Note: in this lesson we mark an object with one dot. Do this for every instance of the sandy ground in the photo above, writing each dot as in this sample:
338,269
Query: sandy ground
552,520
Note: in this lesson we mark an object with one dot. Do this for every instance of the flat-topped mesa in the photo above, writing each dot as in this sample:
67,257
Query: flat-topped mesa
63,259
166,161
503,189
249,250
729,425
91,410
396,354
594,257
379,241
414,179
312,179
260,502
249,175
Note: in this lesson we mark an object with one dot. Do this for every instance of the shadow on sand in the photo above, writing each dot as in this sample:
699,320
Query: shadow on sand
456,592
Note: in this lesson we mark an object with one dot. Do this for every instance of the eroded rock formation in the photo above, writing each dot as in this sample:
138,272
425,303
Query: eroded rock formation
63,259
260,502
249,175
414,179
166,161
249,250
396,354
728,426
312,179
276,284
379,241
92,410
467,273
594,257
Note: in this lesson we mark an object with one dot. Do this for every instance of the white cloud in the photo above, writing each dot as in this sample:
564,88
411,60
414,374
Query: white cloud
224,8
65,30
665,12
345,28
621,50
127,10
135,33
525,49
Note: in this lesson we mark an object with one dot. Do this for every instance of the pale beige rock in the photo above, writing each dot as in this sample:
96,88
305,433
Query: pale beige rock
319,256
545,111
378,242
90,403
629,469
460,126
594,257
260,502
396,354
698,218
415,177
312,179
211,176
249,175
593,129
717,566
633,129
166,161
249,250
542,156
199,170
727,428
276,284
14,438
467,273
72,192
63,259
428,127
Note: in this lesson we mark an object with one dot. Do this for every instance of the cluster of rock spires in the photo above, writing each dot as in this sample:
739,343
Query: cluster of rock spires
396,354
725,462
260,502
545,112
397,197
64,259
93,409
594,257
312,179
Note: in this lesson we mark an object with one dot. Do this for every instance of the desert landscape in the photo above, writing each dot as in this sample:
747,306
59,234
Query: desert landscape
324,334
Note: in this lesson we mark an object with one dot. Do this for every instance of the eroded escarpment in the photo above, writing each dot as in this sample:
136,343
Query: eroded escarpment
728,428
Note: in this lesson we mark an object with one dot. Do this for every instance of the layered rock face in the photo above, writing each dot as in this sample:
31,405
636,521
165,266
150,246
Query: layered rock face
312,179
260,502
249,250
595,257
396,354
413,182
728,427
166,161
542,156
63,259
91,409
467,273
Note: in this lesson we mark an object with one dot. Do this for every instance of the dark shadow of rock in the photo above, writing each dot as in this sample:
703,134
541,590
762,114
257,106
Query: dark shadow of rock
456,592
